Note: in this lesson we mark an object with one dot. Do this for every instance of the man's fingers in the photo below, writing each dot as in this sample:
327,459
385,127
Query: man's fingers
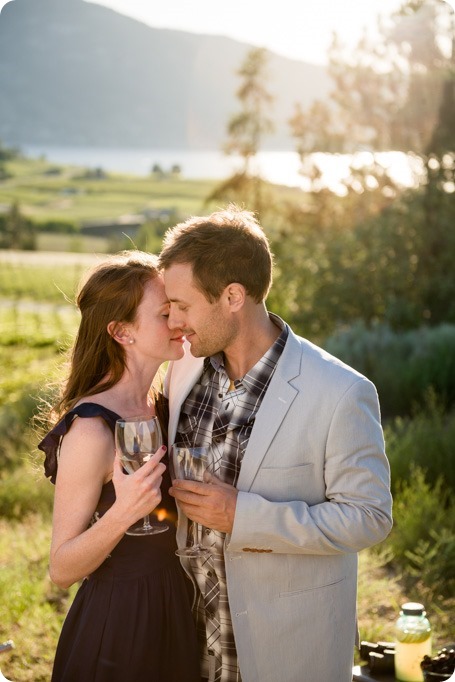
214,480
185,485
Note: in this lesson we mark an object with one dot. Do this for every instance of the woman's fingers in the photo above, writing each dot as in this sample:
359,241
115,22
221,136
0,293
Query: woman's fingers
154,464
150,466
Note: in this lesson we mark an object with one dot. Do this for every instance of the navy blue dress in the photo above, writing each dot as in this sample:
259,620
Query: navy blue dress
131,619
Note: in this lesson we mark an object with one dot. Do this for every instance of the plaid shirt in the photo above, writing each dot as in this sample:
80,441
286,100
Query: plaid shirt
221,415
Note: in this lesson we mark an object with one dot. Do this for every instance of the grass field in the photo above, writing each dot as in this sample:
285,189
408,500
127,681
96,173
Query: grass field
42,276
69,195
72,196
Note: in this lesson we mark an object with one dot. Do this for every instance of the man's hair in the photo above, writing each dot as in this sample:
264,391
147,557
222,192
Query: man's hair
225,247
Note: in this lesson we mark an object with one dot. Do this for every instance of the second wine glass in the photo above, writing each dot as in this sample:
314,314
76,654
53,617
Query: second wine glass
191,463
136,440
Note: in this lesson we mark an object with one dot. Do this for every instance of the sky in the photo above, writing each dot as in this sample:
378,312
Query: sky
299,29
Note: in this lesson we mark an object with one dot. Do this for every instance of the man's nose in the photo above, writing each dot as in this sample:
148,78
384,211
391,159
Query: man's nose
173,321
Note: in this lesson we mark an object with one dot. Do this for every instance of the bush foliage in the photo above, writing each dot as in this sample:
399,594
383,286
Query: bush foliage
404,366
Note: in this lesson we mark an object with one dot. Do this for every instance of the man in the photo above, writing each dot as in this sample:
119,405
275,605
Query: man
300,482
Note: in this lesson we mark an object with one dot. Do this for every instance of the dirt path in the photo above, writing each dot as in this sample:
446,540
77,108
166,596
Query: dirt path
49,258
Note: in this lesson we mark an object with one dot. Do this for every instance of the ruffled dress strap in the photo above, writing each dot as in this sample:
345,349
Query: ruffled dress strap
51,443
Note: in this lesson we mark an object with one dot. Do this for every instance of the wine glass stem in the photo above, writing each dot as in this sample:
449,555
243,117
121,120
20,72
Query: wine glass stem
194,531
146,523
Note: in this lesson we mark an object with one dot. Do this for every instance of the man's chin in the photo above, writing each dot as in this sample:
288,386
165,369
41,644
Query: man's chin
195,352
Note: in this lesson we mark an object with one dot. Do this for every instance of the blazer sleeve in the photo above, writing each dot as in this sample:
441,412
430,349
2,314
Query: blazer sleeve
355,511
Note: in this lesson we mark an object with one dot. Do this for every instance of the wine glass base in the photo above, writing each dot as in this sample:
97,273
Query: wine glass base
193,552
146,530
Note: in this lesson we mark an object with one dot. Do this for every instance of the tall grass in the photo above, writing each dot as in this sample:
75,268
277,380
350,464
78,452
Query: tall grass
31,608
51,282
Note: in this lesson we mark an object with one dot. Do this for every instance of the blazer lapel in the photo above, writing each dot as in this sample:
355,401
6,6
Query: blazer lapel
182,375
274,407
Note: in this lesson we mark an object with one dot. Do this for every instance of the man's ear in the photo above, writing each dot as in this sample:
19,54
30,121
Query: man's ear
235,296
119,332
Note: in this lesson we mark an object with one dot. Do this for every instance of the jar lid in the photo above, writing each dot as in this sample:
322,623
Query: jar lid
412,608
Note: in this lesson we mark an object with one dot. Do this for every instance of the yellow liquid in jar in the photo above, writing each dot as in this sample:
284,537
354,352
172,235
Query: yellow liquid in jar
408,656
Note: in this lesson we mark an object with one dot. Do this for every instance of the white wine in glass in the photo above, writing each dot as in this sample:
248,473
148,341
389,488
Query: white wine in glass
191,463
136,440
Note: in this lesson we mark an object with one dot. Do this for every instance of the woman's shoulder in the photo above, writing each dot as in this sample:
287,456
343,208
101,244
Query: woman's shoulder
96,423
92,408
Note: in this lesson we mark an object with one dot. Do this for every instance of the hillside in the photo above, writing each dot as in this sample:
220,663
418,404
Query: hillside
75,73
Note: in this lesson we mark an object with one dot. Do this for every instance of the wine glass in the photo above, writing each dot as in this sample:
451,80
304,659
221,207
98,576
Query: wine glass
191,463
136,440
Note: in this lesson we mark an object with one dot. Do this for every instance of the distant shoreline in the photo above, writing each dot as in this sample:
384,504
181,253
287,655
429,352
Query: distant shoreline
278,167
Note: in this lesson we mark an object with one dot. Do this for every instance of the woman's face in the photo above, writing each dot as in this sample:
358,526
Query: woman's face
150,331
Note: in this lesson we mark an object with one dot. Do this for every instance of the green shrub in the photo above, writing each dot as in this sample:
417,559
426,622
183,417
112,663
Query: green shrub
60,225
427,441
424,519
402,365
432,563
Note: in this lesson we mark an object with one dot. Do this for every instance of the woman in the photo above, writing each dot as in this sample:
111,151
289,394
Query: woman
131,618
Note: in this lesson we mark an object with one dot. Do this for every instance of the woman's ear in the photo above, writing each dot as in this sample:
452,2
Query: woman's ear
120,333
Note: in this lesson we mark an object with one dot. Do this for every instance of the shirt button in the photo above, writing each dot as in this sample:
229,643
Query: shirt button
207,531
220,395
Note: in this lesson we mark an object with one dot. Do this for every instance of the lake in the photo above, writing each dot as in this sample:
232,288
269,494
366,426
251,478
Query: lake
280,167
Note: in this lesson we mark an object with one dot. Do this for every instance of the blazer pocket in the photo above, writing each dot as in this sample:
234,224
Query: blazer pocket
284,484
311,588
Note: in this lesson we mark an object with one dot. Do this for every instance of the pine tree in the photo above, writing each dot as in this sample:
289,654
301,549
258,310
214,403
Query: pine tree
246,130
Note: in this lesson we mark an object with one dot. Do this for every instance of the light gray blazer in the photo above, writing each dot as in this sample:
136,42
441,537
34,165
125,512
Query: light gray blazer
314,490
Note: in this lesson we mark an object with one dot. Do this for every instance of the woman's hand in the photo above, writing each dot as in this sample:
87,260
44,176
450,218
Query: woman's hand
138,494
79,547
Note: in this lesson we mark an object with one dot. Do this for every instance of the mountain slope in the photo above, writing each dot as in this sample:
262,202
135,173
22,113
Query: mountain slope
76,73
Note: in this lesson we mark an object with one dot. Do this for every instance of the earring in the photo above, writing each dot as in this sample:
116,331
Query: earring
131,340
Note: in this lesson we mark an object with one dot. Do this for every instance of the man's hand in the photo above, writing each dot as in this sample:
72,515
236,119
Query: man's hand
212,504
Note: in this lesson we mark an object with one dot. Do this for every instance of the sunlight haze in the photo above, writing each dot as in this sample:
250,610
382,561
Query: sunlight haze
298,29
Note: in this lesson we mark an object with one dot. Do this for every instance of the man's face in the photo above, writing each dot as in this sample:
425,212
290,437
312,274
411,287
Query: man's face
209,327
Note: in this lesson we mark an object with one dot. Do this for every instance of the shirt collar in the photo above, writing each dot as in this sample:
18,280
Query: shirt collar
258,375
